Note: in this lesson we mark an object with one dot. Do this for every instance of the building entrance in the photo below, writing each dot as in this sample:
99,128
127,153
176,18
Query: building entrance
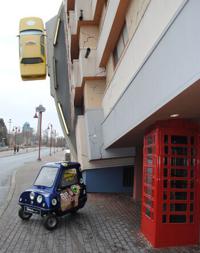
170,204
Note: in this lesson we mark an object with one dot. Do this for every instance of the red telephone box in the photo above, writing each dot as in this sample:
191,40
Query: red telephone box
170,203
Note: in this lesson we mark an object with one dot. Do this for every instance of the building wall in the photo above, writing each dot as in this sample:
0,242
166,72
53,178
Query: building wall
93,93
109,180
175,56
140,45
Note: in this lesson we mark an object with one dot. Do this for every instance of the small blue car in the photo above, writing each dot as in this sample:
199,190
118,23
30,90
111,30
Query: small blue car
58,189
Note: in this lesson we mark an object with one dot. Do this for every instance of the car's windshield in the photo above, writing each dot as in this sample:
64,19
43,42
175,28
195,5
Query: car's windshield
31,32
46,176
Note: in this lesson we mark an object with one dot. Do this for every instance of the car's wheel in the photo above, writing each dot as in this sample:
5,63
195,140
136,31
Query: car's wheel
50,222
24,215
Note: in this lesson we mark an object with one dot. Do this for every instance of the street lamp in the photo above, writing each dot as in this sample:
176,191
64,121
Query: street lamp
15,131
50,127
38,115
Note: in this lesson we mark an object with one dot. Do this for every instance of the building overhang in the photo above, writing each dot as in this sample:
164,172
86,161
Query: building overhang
186,105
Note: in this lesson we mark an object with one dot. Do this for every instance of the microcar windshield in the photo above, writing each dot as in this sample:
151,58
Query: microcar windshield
46,176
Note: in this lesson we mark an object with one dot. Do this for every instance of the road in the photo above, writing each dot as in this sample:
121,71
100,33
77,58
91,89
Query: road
9,164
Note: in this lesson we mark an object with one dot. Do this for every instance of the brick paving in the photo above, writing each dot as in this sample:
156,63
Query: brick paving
108,223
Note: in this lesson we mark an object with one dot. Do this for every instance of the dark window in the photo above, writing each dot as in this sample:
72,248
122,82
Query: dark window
165,172
176,139
166,139
177,161
121,44
179,172
128,174
178,207
31,60
179,150
180,184
177,219
164,218
178,195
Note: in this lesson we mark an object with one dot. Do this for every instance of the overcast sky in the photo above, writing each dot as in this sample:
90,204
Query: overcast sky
19,99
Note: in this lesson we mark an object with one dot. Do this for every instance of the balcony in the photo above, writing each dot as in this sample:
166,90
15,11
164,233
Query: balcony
84,13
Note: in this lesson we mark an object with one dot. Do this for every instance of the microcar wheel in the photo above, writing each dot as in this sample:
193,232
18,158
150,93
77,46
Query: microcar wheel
50,222
23,215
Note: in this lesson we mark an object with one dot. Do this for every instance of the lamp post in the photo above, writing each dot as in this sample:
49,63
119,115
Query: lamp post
38,115
15,131
50,127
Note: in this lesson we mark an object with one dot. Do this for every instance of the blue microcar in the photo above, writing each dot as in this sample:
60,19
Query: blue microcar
58,189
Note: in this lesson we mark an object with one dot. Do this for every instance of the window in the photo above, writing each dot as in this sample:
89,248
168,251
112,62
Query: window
46,176
31,60
121,44
69,177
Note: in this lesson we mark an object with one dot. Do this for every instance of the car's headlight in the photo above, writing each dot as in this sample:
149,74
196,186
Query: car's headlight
39,199
32,195
54,202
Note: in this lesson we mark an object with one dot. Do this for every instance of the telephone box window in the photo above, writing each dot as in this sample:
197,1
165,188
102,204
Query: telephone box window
177,218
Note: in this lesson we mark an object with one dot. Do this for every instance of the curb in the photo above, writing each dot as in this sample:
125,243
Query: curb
10,194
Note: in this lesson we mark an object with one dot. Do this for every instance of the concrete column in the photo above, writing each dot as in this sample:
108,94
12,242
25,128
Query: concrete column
137,186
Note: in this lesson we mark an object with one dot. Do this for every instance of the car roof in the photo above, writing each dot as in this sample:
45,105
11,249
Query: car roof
62,164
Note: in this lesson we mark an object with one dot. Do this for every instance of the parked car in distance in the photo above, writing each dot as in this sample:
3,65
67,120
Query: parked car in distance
32,49
58,189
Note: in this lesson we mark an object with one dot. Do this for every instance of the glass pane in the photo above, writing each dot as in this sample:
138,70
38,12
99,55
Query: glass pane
149,180
178,161
180,184
192,140
166,149
178,207
191,195
177,219
149,202
166,139
191,207
165,183
149,159
149,170
179,150
149,150
192,173
165,160
192,184
193,152
148,212
191,218
177,139
165,172
179,173
178,195
164,195
164,218
164,207
148,190
150,139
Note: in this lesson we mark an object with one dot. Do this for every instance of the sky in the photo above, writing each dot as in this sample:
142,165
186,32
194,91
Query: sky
18,99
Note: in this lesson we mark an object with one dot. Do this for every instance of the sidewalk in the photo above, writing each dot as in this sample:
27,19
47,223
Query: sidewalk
108,223
21,151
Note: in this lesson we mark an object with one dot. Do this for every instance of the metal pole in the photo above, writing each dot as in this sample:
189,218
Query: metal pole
40,128
50,139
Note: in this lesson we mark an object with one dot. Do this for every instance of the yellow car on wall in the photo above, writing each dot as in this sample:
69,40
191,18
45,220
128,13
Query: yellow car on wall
32,49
